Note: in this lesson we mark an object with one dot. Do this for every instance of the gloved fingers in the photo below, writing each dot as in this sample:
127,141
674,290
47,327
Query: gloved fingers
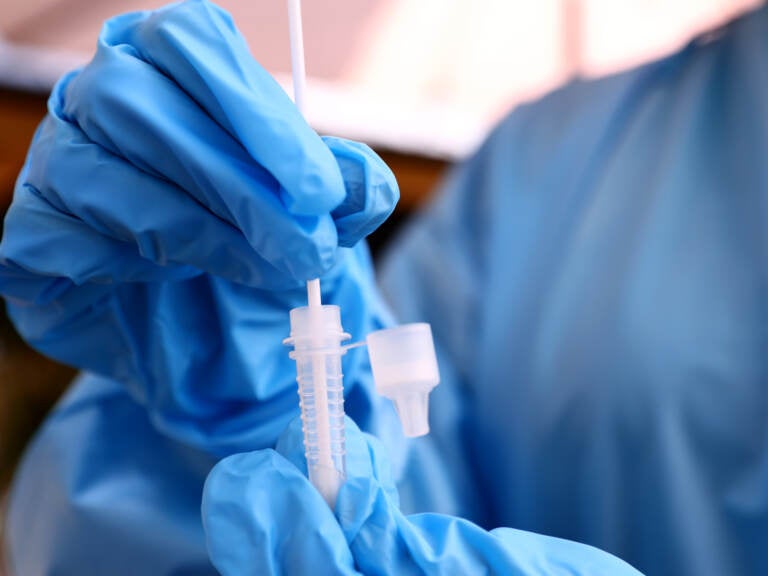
35,232
133,111
539,554
261,516
157,226
176,93
384,541
371,190
376,531
365,456
196,46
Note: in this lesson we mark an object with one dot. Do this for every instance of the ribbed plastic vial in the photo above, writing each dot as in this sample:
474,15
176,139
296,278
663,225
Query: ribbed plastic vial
316,337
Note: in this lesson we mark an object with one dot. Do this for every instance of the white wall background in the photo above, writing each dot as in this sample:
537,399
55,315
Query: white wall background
428,75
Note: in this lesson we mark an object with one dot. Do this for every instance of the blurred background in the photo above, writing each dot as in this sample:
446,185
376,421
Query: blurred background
421,81
429,77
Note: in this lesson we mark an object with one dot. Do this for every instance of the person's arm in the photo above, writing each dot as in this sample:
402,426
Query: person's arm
172,205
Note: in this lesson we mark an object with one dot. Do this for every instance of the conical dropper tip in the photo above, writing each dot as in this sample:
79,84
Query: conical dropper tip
413,410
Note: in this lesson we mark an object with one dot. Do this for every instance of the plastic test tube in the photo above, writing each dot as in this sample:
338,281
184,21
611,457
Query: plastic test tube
316,335
402,358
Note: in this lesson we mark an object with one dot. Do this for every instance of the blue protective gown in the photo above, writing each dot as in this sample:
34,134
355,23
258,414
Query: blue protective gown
596,278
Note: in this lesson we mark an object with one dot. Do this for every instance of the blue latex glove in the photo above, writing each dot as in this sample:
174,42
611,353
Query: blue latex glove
171,189
262,516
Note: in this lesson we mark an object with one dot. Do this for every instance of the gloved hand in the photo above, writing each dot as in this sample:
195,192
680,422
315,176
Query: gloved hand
262,516
172,204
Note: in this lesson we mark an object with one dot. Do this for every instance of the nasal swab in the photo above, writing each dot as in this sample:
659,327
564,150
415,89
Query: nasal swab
402,358
316,335
299,74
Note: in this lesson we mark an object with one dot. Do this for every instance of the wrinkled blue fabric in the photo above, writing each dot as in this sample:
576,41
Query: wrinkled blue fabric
595,276
295,532
101,491
172,204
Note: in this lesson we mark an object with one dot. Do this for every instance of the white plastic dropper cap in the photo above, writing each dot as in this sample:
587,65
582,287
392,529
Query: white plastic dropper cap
405,371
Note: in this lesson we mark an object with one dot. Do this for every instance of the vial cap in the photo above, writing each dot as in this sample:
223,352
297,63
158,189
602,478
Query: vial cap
405,370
